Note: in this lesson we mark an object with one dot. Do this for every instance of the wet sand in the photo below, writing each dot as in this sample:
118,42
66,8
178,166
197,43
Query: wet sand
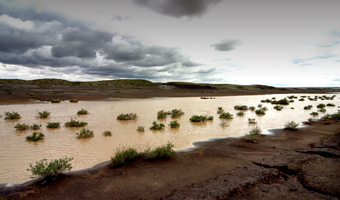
291,164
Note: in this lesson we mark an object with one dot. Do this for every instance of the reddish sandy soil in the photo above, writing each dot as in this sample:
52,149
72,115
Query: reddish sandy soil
292,164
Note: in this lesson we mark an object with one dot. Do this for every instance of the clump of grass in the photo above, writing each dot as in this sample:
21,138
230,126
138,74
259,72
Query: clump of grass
156,126
12,115
124,155
282,102
55,101
252,108
50,169
74,123
210,118
252,121
164,151
174,124
53,124
35,126
200,118
74,100
321,105
264,108
314,113
291,125
259,105
44,114
82,112
175,113
240,113
224,124
253,135
308,107
311,120
21,127
130,116
161,114
331,105
323,110
35,136
278,108
241,107
84,133
260,112
140,128
107,133
220,110
302,99
226,115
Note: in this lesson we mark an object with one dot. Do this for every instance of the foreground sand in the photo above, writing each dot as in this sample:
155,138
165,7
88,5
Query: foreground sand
300,164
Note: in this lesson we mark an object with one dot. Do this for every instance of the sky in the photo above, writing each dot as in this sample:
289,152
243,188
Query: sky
285,43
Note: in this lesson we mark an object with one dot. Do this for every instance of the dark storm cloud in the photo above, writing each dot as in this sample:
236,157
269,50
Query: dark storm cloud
58,42
178,8
226,45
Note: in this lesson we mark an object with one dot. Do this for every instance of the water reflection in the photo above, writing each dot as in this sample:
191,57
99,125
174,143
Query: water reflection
17,153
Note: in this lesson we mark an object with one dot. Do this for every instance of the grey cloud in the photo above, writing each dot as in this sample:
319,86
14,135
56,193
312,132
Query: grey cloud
205,71
226,45
120,18
178,8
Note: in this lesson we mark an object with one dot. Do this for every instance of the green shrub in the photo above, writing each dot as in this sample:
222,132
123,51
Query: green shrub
21,127
259,112
124,155
12,115
161,114
291,125
259,105
82,112
176,113
321,105
107,133
311,120
35,136
55,101
220,110
253,135
282,102
129,116
35,126
199,118
308,107
322,110
252,108
53,125
330,104
84,133
226,115
50,169
252,121
278,107
210,117
140,128
240,113
74,123
156,126
241,107
301,99
44,114
174,124
314,113
264,108
164,151
73,100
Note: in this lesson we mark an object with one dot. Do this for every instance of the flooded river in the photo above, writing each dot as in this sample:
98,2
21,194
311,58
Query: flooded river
17,153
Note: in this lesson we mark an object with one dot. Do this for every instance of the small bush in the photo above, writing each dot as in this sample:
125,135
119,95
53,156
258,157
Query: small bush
322,110
53,125
260,112
321,105
84,133
331,105
301,99
140,128
107,133
282,101
253,135
291,125
278,107
174,124
73,100
226,115
35,136
308,107
161,114
21,127
220,110
44,114
252,121
156,126
210,117
252,108
198,118
82,112
12,115
124,155
52,168
314,113
259,106
74,123
311,120
55,101
129,116
164,151
240,113
35,126
241,107
176,113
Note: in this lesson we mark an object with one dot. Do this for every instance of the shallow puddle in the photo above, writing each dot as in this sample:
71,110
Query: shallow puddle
17,153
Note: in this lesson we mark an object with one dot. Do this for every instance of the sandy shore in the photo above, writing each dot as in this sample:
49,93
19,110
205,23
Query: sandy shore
291,164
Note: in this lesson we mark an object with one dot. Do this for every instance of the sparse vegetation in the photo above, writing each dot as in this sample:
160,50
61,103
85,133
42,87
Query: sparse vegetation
200,118
50,169
260,112
252,108
175,113
253,135
220,110
130,116
84,133
12,115
53,125
321,105
323,110
44,114
174,124
161,114
156,126
241,107
291,125
35,136
314,113
226,115
282,102
252,121
55,101
164,151
82,112
21,127
124,155
331,105
308,107
240,113
74,123
74,100
107,133
140,128
278,107
35,126
224,124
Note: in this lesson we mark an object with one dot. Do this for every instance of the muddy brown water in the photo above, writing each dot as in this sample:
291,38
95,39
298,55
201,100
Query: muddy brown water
17,153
